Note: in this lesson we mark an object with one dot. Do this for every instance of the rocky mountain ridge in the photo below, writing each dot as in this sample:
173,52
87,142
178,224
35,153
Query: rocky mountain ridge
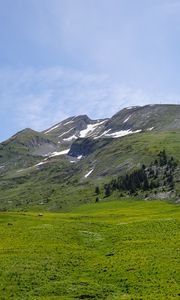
79,136
129,120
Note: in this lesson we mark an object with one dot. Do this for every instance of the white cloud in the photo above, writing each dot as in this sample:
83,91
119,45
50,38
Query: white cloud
39,98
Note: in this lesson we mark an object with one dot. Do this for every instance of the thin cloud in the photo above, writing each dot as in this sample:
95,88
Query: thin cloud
39,98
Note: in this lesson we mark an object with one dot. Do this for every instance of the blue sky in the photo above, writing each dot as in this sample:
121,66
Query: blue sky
66,57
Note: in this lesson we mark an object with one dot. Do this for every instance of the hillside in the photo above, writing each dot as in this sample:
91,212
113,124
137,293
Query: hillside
59,167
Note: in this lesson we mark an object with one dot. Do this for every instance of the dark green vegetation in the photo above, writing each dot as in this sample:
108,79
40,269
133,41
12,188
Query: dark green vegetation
116,250
133,150
157,177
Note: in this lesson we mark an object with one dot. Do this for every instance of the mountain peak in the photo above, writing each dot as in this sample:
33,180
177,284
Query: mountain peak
130,120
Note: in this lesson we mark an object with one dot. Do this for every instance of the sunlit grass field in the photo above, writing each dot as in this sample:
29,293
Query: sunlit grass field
115,250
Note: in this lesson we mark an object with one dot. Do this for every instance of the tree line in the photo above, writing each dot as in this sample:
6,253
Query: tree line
159,173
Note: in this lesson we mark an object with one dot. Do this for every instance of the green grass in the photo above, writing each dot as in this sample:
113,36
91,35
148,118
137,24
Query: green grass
63,255
133,150
60,185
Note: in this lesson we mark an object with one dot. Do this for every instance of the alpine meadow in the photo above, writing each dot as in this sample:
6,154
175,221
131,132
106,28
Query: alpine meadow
89,150
90,208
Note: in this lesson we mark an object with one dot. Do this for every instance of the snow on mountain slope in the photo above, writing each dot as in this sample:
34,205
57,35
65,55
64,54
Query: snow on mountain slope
121,133
75,127
157,117
52,128
130,120
56,153
89,173
90,130
62,139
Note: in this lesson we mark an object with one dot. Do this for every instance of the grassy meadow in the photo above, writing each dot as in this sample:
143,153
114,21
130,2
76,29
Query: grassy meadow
114,250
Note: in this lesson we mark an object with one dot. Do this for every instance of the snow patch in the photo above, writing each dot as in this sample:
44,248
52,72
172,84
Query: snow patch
40,163
1,167
127,119
90,128
20,170
68,122
150,128
52,128
122,133
79,157
56,153
88,173
65,132
73,137
103,134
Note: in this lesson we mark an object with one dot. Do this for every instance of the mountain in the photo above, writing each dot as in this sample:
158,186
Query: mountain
75,127
60,166
59,138
149,117
127,121
22,148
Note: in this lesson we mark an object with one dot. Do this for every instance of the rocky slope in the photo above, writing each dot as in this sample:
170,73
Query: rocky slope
79,135
66,159
128,121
